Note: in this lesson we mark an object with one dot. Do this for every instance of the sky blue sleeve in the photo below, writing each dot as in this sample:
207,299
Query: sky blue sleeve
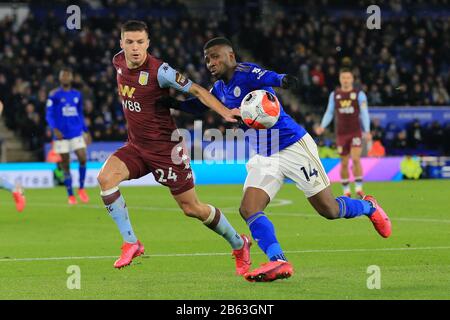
364,111
171,78
81,112
50,112
328,116
265,78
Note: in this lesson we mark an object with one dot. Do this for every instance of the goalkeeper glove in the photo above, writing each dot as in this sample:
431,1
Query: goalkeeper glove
289,82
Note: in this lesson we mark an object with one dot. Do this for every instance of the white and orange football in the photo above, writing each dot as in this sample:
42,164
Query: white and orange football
260,109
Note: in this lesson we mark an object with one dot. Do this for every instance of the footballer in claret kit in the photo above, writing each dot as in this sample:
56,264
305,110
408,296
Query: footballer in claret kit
142,80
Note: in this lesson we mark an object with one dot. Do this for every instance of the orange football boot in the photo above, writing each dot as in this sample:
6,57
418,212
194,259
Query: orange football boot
270,271
129,251
242,256
379,218
72,200
83,195
19,199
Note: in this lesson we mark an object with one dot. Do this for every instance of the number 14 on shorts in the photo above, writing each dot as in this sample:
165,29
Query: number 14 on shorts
312,172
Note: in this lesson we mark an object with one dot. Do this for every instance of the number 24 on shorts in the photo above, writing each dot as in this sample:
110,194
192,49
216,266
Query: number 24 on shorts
170,175
312,172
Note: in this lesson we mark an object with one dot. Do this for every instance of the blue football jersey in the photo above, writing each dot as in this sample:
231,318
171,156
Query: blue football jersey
249,77
65,112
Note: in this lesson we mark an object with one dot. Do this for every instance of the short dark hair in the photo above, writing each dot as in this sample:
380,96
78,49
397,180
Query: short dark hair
345,69
216,42
134,25
66,69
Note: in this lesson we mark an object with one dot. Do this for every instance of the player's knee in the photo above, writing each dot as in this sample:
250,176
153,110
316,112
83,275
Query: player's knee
190,209
356,161
105,181
102,179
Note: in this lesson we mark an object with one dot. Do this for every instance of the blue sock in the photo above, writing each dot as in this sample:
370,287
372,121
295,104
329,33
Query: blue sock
6,185
264,234
82,171
68,183
352,208
119,212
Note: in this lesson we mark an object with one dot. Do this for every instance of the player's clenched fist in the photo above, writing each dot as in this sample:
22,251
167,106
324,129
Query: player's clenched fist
319,130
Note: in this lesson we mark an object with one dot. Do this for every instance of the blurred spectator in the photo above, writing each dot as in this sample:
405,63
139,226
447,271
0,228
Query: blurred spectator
415,135
401,141
377,130
406,64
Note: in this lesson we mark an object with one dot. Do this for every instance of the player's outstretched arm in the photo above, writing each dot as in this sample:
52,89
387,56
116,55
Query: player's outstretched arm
1,107
169,77
209,100
191,105
268,78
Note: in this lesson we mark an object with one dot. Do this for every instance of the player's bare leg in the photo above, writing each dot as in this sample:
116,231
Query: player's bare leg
355,153
82,159
325,204
112,173
343,207
345,175
253,203
65,165
214,219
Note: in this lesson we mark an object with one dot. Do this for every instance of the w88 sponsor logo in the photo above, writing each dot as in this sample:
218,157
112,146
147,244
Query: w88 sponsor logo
131,105
347,110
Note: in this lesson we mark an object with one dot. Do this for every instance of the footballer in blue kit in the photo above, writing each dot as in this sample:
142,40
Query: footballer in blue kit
296,158
66,120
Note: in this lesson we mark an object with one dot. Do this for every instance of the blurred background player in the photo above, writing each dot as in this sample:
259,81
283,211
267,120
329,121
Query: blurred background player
16,190
296,158
348,106
66,120
142,79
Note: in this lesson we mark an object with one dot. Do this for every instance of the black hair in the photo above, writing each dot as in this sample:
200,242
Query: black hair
345,69
216,42
134,25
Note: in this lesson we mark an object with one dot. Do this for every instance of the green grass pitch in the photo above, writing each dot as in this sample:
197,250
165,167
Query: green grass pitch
185,260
